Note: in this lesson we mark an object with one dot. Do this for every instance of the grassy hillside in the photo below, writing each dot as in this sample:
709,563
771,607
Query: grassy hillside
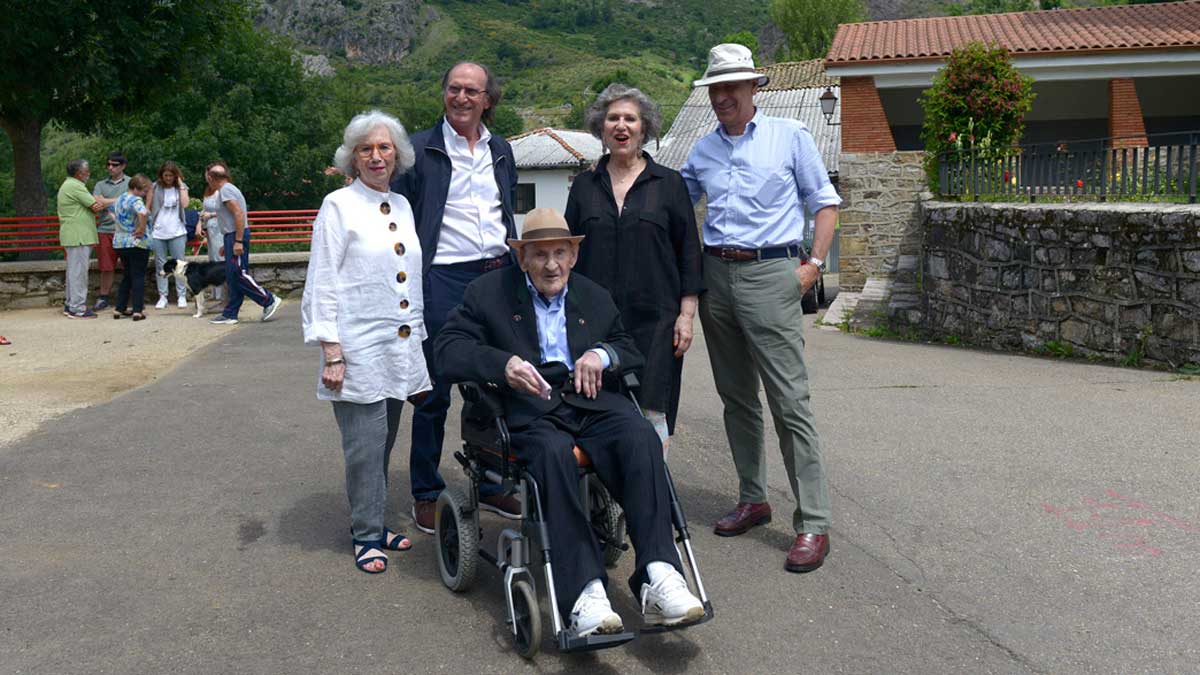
550,54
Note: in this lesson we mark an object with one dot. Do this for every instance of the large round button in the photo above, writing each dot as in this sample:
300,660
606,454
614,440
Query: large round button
385,208
404,331
403,304
401,277
392,227
399,248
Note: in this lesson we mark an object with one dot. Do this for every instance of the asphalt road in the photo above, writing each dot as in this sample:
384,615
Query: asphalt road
992,513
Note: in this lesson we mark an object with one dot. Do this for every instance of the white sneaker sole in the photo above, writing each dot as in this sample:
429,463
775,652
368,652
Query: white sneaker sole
656,619
608,626
417,524
272,309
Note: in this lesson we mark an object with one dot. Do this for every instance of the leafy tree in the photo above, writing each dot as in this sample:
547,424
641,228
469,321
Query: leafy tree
743,37
810,24
80,63
991,7
507,122
978,101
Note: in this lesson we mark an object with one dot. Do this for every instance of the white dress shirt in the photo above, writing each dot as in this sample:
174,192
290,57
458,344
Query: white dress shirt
363,290
473,222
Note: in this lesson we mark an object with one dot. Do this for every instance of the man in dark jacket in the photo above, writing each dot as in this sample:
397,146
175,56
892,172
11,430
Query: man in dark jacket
515,325
461,188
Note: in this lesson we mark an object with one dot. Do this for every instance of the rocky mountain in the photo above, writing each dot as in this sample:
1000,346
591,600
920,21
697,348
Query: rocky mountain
376,32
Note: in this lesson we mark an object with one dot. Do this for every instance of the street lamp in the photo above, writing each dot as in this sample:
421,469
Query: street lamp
828,102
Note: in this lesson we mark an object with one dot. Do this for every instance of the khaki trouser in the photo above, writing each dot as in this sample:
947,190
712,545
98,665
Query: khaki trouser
76,286
751,314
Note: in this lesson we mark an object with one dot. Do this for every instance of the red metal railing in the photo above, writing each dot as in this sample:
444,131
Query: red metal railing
40,233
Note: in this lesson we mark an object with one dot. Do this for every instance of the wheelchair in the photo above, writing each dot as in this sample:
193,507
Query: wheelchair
486,457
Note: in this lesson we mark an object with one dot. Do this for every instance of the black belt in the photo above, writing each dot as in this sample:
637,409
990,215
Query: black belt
733,254
481,266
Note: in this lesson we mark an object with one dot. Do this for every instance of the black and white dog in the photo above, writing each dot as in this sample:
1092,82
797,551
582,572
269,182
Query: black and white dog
198,275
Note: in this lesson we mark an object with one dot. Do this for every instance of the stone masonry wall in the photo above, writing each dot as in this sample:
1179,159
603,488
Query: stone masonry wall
878,215
1119,281
32,284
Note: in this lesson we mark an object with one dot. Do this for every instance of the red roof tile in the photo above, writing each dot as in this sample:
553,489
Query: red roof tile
1091,29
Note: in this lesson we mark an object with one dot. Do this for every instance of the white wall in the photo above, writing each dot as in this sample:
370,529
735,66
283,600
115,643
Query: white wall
551,186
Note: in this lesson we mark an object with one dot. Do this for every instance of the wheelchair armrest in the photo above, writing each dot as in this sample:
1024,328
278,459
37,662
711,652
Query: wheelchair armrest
630,381
482,400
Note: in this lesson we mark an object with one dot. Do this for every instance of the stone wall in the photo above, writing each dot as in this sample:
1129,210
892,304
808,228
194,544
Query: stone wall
878,214
1119,282
39,283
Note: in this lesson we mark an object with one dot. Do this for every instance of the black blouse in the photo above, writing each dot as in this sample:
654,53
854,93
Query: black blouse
648,257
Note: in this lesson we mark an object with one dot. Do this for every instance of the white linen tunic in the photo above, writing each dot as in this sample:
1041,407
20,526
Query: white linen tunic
363,290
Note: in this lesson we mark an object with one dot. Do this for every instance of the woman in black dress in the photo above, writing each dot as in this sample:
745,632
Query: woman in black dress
642,243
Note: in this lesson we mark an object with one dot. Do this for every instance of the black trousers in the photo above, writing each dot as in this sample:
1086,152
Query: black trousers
627,456
133,284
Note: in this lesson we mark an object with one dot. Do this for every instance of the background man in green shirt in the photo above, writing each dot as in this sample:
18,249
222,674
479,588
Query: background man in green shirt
112,187
77,234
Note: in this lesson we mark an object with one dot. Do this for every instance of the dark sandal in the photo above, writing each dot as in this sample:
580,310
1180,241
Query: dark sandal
138,316
363,555
394,541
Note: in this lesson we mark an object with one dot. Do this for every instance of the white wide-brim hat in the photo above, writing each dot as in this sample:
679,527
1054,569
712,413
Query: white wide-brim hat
730,62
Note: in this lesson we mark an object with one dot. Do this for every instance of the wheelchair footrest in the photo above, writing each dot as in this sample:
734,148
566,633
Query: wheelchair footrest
570,642
708,615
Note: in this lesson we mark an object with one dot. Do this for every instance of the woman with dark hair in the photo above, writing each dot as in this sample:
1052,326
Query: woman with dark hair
168,199
130,216
642,244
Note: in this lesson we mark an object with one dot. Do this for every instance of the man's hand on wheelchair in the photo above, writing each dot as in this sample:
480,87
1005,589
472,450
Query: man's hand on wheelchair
522,376
589,374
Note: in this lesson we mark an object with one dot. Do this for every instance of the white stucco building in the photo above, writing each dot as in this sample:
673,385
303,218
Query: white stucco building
547,161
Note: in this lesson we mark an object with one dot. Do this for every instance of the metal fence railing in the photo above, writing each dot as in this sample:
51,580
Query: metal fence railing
1160,167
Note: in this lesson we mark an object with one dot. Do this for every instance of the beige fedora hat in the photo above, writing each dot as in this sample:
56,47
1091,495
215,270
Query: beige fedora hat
730,62
544,225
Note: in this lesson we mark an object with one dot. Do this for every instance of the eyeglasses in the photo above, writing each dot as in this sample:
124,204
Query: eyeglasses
384,150
116,163
470,92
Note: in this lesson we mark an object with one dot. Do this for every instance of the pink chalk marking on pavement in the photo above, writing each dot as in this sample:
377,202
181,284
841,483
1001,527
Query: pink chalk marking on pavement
1103,518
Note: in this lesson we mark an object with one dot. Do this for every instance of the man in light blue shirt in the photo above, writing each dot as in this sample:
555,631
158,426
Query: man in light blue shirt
759,175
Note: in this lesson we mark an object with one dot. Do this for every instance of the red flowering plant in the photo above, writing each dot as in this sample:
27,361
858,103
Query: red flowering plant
977,105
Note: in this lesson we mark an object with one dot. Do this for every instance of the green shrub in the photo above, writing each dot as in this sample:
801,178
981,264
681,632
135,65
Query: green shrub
977,103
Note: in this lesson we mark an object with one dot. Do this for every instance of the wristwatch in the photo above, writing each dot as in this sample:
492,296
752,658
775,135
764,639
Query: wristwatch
818,262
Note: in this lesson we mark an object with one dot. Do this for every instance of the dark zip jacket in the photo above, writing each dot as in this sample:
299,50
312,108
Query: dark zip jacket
427,184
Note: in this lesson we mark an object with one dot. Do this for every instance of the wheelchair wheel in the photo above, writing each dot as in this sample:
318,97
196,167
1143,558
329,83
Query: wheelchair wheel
607,520
527,639
457,534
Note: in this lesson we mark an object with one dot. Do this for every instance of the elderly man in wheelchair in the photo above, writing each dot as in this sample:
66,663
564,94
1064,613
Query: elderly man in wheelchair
511,319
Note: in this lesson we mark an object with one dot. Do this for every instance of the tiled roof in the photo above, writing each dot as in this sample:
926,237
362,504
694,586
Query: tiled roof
555,148
1091,29
696,119
796,74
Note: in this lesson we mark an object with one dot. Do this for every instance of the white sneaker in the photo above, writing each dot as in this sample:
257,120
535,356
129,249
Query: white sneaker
162,302
182,303
669,602
593,613
269,310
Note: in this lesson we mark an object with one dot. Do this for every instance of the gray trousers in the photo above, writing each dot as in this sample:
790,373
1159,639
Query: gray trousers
368,433
215,238
751,314
76,284
165,249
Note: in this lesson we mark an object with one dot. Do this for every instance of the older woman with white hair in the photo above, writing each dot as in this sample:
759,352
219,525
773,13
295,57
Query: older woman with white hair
641,245
362,305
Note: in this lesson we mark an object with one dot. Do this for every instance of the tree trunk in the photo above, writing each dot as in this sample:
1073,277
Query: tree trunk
29,194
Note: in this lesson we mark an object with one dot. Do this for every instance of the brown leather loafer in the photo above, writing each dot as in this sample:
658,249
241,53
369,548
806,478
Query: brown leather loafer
506,506
743,517
422,514
807,553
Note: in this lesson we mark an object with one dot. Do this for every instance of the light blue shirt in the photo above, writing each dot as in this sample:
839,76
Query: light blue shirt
551,316
758,182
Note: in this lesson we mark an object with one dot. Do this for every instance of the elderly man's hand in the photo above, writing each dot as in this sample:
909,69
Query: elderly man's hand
520,377
333,375
589,374
807,275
